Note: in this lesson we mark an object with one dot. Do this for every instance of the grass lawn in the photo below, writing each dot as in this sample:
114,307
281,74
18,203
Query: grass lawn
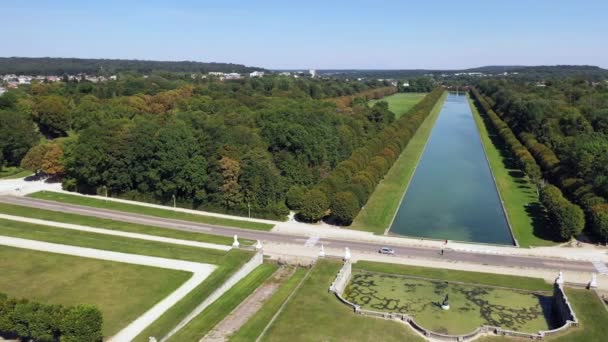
215,313
471,305
251,330
139,209
518,193
41,214
381,207
400,103
232,261
109,242
315,314
121,291
515,282
589,310
13,172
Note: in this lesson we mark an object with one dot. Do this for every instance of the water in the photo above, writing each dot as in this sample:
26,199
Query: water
452,194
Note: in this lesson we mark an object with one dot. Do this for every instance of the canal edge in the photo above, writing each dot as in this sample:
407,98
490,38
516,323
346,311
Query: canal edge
485,153
440,101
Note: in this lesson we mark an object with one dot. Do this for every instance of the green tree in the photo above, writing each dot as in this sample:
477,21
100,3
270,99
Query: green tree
295,197
344,208
82,323
315,206
17,136
52,113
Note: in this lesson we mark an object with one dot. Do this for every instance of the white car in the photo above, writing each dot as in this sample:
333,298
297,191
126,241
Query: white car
386,250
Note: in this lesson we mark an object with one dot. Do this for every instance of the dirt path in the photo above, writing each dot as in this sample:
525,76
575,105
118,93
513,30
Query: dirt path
239,316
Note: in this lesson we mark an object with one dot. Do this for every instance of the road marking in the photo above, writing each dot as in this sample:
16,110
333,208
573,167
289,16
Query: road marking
600,267
312,241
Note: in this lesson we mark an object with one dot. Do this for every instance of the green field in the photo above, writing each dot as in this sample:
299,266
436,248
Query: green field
49,215
12,172
518,193
215,313
400,103
471,305
139,209
121,291
315,314
230,263
379,210
251,330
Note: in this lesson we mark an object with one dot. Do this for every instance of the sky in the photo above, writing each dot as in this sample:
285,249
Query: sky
293,34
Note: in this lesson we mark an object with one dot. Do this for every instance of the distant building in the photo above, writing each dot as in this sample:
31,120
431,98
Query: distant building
2,91
285,73
232,76
256,74
312,72
406,83
215,73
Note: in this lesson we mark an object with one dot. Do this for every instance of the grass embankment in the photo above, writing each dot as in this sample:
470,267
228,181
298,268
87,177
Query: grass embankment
400,103
13,172
251,330
230,263
140,209
121,291
591,314
109,242
216,312
519,195
381,207
315,314
49,215
515,282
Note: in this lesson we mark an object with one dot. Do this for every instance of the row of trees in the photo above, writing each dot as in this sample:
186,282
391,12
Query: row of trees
558,136
27,320
566,217
341,195
371,94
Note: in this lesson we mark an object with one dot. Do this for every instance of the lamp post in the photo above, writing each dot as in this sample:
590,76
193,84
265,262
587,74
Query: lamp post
105,190
174,204
249,209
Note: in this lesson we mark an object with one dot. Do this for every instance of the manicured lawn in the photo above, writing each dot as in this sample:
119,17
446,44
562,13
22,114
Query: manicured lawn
138,209
381,207
121,291
518,193
315,314
471,305
400,103
231,262
12,172
591,313
251,330
95,222
215,313
109,242
522,283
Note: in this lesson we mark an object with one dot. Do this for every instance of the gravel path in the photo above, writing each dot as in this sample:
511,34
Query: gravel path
200,272
116,232
242,313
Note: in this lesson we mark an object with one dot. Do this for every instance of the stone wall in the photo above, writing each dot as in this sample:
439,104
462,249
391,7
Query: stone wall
342,278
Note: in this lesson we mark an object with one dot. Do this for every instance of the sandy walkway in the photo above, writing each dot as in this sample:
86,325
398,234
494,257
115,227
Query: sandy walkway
242,313
200,272
116,232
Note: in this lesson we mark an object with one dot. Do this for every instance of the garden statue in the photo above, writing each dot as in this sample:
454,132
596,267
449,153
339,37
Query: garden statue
560,278
236,243
258,245
347,254
322,252
445,305
593,282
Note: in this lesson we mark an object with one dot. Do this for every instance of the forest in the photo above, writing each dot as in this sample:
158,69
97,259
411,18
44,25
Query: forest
564,126
72,66
216,145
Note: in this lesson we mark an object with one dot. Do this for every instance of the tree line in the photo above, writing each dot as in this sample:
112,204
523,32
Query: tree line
562,125
222,146
340,196
32,321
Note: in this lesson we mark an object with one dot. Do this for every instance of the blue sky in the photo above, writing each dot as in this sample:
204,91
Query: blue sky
313,34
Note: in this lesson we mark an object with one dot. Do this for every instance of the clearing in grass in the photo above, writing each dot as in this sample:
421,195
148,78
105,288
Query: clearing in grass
139,209
520,199
381,207
400,103
121,291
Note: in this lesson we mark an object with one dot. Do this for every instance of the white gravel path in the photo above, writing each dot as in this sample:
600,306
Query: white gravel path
116,232
200,272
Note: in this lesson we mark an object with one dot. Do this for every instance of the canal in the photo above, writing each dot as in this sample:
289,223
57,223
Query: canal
452,194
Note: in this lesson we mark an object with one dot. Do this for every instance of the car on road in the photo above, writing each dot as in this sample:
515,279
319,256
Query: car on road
386,250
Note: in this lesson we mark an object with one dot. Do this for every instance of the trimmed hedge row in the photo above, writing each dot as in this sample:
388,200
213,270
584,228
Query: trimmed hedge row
595,207
568,218
351,183
26,320
369,94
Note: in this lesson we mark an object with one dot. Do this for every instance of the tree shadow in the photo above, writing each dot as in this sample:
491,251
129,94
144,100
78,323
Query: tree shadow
540,223
546,305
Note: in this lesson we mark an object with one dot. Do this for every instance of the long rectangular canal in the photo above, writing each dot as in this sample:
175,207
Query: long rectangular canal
452,194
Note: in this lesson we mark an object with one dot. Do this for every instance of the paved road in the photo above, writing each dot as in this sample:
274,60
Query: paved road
414,252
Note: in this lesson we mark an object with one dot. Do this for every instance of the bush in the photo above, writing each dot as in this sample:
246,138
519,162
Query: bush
344,208
314,207
568,218
295,197
81,323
